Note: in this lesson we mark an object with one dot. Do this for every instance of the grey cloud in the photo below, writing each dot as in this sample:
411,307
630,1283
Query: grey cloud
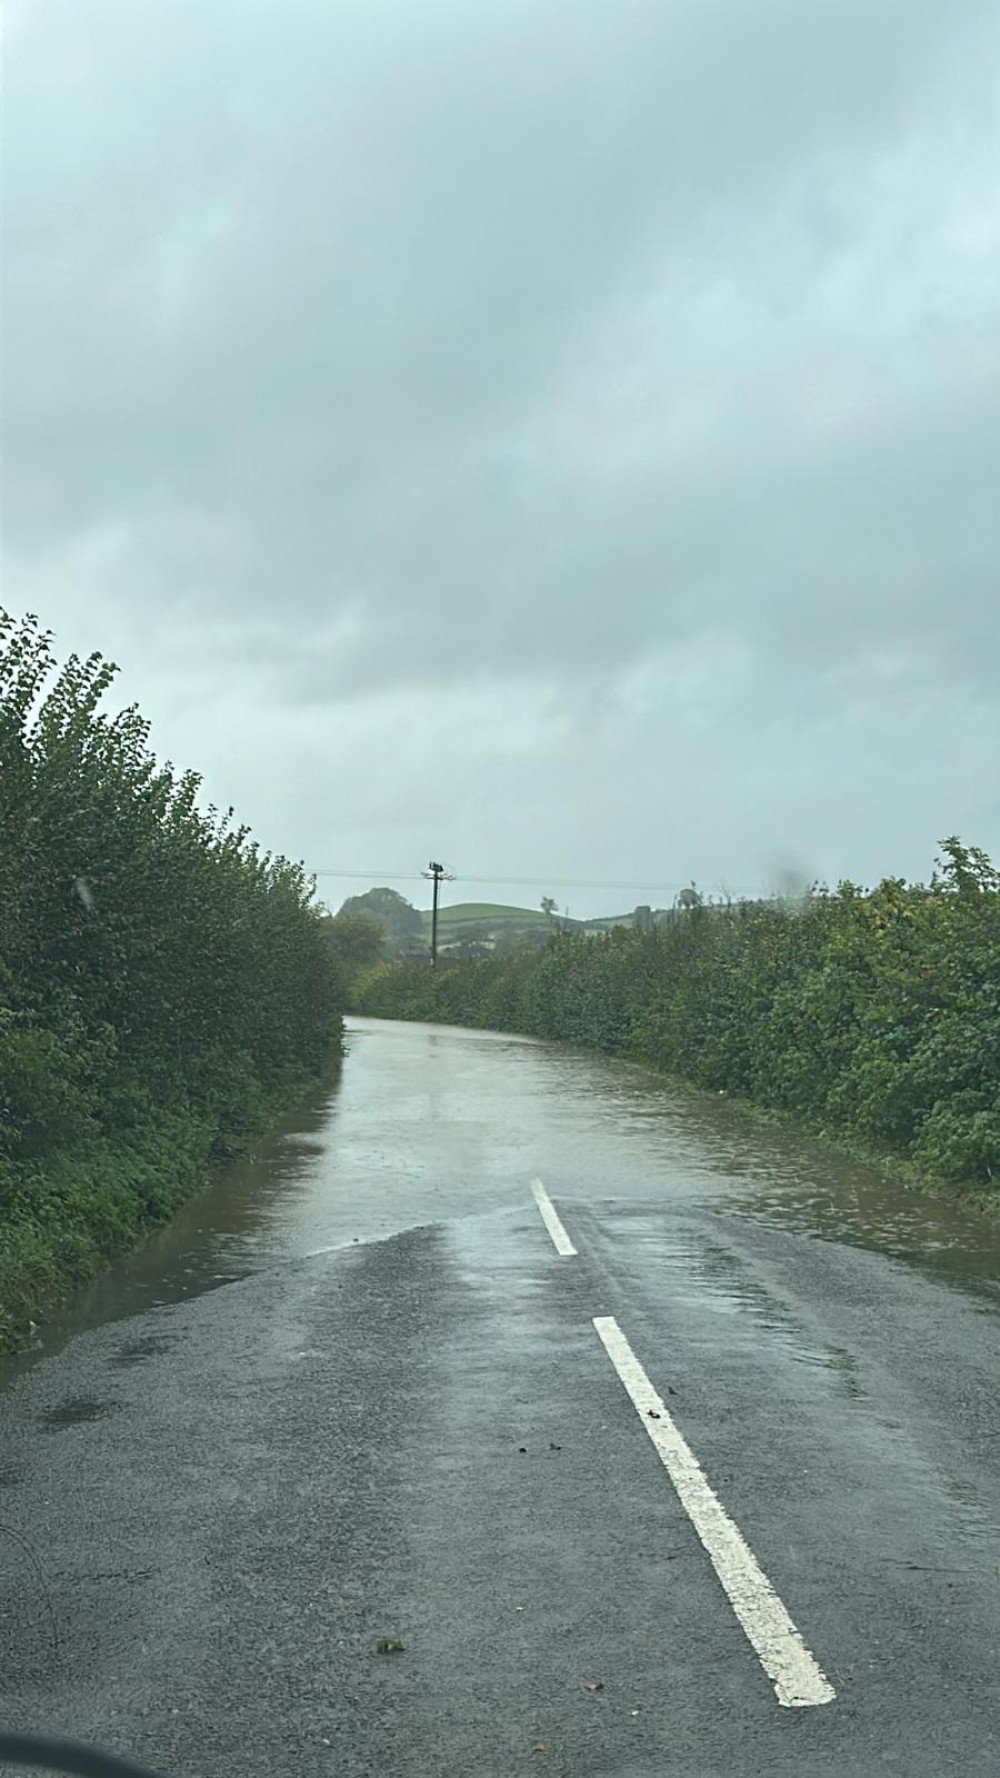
361,349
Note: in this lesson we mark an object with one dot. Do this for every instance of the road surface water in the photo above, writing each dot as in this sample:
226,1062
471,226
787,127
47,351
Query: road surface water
707,1483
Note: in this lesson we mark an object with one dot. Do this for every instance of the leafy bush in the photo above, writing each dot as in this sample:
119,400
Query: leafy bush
157,971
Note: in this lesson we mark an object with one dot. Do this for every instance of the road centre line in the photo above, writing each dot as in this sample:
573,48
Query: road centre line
795,1675
550,1217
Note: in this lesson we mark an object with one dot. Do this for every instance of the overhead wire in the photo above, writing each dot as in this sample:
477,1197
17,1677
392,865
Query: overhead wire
533,882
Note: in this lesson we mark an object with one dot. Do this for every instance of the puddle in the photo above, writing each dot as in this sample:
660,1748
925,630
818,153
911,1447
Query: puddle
137,1351
704,1144
712,1279
78,1412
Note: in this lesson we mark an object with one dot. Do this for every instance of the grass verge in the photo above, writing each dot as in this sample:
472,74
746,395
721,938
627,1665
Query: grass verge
64,1220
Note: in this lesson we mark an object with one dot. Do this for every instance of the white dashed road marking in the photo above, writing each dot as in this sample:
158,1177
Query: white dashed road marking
561,1240
796,1678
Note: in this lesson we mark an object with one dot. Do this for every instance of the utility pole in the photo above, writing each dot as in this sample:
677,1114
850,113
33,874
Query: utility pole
438,875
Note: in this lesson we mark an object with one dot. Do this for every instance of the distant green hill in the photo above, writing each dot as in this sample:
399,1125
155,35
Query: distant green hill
476,918
483,913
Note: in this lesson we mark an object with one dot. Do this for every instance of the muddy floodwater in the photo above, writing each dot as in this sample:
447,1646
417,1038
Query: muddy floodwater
427,1123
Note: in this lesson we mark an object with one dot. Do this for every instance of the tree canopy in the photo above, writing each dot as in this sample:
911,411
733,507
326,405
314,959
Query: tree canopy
399,918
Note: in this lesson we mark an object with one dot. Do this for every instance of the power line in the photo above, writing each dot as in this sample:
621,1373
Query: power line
569,883
374,876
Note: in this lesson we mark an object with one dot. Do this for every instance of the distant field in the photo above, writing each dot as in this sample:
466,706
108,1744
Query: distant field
496,914
476,913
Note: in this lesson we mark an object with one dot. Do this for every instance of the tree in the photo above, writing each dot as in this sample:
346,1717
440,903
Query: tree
548,906
358,940
399,919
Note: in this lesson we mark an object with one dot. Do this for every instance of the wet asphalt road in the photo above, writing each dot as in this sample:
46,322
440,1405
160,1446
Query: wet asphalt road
356,1393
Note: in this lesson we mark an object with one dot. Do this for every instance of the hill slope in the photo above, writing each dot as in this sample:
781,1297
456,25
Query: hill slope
483,913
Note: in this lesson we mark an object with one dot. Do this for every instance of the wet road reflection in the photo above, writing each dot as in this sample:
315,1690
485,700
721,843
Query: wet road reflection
426,1124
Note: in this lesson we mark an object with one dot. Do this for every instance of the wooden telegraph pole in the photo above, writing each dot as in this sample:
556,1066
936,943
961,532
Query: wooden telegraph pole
437,875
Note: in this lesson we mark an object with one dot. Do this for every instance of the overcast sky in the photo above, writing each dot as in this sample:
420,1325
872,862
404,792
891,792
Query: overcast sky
560,438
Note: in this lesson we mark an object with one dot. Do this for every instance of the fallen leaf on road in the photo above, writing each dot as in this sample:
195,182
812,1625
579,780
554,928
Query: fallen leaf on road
594,1685
388,1646
539,1747
555,1447
653,1415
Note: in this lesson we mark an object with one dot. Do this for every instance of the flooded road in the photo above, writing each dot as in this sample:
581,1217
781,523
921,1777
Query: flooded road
356,1392
452,1118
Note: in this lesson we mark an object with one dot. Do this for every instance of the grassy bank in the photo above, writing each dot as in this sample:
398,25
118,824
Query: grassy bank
66,1218
872,1016
163,983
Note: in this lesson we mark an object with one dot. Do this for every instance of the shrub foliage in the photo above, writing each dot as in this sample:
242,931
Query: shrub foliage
158,972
